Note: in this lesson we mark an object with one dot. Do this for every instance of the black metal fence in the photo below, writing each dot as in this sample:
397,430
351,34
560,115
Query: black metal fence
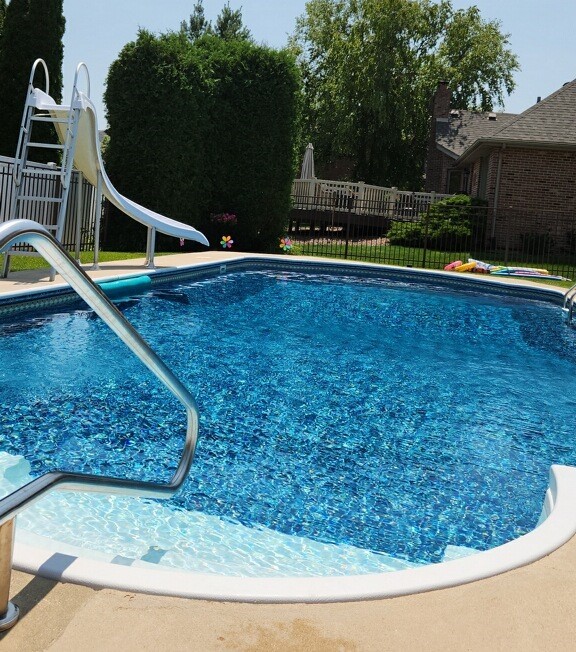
81,208
385,232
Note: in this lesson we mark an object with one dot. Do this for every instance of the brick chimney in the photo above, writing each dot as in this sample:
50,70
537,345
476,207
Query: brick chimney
441,101
439,112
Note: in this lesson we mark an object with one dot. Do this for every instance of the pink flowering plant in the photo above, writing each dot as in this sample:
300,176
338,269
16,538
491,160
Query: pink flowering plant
229,219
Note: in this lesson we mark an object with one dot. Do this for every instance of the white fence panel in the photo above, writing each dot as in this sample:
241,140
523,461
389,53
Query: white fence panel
311,194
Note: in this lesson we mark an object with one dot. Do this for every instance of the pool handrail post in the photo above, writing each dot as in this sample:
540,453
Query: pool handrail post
26,231
8,610
569,299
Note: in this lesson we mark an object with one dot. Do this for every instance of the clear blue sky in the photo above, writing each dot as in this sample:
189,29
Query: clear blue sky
541,35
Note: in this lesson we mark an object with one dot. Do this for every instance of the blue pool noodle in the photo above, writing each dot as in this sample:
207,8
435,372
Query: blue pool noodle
126,287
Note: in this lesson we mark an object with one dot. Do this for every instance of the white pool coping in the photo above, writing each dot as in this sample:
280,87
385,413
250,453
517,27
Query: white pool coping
558,528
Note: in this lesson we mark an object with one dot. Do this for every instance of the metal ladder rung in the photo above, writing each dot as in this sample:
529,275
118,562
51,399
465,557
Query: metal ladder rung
49,118
46,145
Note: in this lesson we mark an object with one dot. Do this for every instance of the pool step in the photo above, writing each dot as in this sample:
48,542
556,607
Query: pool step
457,552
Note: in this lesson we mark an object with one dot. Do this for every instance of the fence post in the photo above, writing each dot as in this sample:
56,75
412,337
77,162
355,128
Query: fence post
360,197
392,200
507,237
425,247
350,204
312,190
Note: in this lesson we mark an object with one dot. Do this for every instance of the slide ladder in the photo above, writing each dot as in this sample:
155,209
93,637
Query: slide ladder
77,129
52,199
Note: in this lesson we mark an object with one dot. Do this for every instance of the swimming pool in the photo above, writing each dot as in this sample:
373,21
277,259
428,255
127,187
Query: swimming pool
352,422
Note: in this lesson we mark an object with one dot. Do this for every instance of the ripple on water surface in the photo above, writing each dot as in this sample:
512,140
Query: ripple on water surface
355,420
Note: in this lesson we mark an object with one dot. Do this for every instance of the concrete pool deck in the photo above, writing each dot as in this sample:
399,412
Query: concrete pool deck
530,608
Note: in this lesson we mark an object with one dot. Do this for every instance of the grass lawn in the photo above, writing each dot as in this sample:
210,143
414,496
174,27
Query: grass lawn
386,255
19,263
408,257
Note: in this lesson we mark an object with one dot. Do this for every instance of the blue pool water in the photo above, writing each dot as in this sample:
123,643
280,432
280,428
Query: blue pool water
368,414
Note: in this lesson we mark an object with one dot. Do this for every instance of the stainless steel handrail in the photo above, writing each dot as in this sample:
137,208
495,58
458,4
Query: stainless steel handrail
29,232
26,231
569,299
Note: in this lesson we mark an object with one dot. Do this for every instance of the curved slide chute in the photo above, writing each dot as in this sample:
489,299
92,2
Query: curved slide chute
88,159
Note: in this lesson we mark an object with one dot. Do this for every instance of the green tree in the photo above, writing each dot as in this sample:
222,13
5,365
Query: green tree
2,14
229,25
197,25
31,29
370,68
474,58
213,126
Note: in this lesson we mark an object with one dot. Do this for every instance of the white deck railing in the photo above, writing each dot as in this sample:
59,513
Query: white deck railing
368,200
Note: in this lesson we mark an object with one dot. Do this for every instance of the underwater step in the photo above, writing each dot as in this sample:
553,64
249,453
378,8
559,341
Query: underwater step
456,552
172,295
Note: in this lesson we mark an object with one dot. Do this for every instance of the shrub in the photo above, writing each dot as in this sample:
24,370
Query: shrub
451,224
406,234
212,129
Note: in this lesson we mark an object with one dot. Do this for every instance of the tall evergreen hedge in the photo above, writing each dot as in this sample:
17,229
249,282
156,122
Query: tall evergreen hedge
202,128
2,12
31,29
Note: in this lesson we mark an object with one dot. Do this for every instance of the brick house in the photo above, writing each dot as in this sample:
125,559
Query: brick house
524,165
452,132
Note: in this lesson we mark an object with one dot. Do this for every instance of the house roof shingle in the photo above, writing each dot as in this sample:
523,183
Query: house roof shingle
548,124
464,127
550,121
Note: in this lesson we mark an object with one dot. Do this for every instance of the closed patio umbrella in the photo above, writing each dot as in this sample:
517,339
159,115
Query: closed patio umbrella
307,171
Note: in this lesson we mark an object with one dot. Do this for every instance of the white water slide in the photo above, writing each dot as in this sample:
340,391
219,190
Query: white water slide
77,128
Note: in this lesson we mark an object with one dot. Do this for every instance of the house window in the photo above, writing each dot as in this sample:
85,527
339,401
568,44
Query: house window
454,182
483,177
